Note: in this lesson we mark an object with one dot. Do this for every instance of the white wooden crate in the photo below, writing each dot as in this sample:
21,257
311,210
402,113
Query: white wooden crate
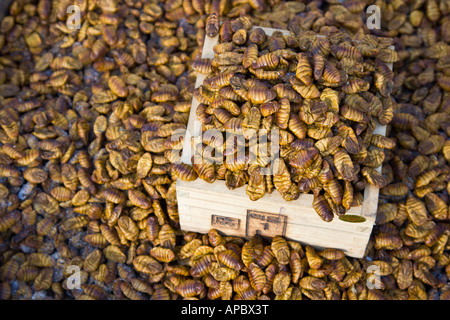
203,205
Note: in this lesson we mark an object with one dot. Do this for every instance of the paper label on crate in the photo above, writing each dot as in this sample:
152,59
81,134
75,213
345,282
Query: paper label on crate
225,222
265,224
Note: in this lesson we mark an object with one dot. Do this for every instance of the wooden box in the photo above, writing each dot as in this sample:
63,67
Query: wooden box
203,206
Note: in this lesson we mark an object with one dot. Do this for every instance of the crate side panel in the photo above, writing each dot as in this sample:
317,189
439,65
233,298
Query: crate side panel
205,206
